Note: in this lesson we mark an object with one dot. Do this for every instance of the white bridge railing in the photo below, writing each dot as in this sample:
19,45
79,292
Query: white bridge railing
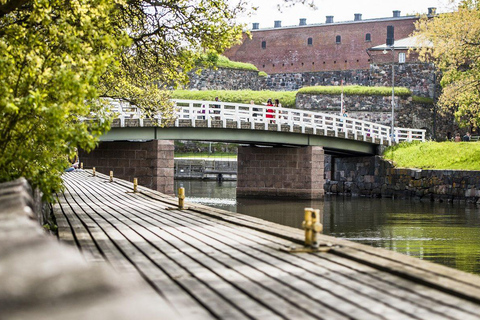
259,117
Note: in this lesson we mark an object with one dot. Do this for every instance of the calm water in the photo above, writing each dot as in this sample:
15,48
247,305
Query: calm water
448,234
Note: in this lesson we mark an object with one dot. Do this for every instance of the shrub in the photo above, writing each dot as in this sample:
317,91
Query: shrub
287,98
355,90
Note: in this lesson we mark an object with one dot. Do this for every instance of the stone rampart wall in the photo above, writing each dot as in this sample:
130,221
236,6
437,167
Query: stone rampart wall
226,79
375,177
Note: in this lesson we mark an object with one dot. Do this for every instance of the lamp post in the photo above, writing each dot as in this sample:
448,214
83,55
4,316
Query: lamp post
393,95
390,42
392,128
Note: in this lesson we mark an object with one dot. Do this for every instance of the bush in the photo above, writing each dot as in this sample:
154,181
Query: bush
355,90
287,98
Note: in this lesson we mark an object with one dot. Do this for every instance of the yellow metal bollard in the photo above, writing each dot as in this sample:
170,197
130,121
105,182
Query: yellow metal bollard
181,198
307,225
312,228
93,171
81,165
135,185
111,176
317,227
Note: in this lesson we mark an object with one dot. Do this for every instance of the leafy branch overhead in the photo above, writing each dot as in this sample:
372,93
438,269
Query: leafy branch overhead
57,58
455,40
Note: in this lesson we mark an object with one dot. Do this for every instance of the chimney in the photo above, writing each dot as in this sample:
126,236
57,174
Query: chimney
329,19
255,26
432,11
277,24
358,17
396,13
303,22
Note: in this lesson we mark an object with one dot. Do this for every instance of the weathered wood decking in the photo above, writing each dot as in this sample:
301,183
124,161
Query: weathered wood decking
209,263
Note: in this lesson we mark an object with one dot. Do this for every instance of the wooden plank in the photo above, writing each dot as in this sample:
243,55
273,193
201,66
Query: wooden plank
216,255
212,279
85,242
133,247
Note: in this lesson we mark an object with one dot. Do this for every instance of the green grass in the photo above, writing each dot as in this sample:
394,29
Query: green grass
356,90
424,100
224,62
219,61
287,98
436,155
206,155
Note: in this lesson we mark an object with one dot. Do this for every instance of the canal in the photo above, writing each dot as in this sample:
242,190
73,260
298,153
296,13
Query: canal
444,233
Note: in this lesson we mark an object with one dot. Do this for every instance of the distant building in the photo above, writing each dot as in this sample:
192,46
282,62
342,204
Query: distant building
330,46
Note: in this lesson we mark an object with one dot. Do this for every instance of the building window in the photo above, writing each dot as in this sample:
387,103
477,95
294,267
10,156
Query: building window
368,37
264,44
338,39
310,41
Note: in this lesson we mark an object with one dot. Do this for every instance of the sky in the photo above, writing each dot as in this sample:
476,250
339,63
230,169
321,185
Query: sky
342,10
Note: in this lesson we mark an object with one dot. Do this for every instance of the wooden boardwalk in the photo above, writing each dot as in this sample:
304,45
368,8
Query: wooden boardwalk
213,264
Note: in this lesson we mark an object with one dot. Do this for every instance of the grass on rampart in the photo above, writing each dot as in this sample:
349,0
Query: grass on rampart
224,62
286,98
356,90
436,155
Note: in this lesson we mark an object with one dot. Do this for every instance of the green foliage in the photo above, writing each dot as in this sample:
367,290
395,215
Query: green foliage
263,74
286,98
168,40
220,61
423,100
436,155
454,39
355,90
59,58
50,64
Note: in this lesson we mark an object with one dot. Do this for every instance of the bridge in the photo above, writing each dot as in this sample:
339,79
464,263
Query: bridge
293,168
257,124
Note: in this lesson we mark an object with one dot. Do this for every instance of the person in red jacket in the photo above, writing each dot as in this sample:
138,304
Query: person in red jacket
270,111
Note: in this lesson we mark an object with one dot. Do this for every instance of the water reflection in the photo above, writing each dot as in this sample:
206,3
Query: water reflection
448,234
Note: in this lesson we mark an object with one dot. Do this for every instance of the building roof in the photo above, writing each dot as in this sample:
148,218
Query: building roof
312,25
404,44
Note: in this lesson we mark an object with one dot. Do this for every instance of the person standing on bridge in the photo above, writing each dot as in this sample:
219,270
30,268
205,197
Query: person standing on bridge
270,112
216,112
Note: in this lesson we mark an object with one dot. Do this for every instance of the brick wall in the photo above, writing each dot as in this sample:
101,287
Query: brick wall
151,162
287,50
281,172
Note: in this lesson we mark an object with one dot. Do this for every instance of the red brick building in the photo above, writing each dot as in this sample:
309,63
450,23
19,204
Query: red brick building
320,47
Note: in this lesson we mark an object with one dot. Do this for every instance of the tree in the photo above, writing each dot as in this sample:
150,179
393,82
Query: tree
455,39
168,38
57,58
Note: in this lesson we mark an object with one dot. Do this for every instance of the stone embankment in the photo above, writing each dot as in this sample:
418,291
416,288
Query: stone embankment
375,177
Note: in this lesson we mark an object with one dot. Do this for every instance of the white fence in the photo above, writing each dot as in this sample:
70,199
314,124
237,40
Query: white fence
253,115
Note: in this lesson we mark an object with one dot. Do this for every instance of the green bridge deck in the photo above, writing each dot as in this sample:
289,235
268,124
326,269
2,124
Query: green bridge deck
213,264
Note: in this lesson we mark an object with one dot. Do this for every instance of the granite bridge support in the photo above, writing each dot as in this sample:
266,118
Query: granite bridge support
281,172
151,162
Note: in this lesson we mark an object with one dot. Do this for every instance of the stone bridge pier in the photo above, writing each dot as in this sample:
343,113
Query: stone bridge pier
281,172
151,162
